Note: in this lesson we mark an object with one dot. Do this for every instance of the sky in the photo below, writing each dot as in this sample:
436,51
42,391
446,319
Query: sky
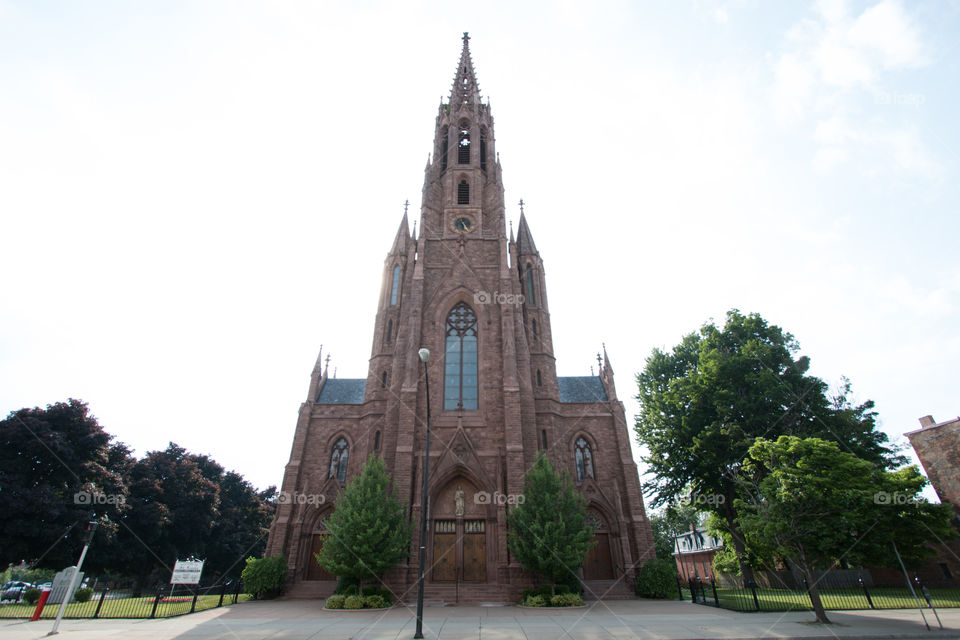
194,196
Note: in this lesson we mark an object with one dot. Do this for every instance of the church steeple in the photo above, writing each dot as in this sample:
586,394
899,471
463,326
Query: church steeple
463,188
465,90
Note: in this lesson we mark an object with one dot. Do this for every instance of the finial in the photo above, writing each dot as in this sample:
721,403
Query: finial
334,372
466,38
591,370
521,206
406,203
326,364
511,233
599,361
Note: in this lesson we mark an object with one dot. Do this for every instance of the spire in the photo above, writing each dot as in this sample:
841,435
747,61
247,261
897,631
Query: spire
606,361
465,89
403,234
525,243
319,365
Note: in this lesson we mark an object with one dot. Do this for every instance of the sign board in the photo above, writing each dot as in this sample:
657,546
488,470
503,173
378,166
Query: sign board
187,572
61,583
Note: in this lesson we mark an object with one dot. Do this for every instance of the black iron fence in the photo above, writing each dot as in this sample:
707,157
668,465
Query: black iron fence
836,598
112,600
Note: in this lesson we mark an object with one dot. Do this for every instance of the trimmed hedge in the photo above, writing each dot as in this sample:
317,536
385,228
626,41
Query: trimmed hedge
657,579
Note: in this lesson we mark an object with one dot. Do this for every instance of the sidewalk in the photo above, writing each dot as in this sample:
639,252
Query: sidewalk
620,620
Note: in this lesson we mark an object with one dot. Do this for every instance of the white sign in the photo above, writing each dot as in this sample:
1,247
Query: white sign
187,572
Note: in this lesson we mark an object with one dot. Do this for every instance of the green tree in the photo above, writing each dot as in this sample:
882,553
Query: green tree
669,522
173,500
241,526
55,475
815,505
705,402
548,534
368,530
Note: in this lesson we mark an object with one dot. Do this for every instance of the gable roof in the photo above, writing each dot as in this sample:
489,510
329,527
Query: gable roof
342,391
581,389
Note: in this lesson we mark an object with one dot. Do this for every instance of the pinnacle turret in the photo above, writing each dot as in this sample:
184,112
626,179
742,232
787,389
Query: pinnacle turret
465,89
525,245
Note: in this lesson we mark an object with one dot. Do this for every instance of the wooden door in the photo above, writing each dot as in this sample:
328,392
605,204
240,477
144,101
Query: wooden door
597,565
474,551
314,570
445,550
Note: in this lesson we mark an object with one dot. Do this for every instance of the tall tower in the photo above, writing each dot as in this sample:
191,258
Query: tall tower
477,299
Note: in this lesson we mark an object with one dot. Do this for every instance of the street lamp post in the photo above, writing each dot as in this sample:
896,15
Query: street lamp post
424,357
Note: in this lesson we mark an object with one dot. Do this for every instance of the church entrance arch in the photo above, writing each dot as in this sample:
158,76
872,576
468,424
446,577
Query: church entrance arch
459,533
598,564
314,570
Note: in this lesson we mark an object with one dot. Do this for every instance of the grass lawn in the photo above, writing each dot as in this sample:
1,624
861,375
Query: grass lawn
121,607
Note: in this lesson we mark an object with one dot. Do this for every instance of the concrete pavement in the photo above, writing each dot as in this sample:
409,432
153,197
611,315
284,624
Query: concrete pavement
615,620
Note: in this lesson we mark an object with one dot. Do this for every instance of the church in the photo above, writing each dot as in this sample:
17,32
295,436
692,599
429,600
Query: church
476,297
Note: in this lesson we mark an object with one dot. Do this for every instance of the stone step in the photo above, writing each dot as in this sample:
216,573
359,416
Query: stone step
607,590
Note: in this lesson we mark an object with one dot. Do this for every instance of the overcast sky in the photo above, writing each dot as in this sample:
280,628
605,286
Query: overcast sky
194,196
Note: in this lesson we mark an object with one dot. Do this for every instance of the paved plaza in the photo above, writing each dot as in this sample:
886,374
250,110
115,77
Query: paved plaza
620,620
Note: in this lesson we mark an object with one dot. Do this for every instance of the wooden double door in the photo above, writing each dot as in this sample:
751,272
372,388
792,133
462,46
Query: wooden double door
597,565
314,570
459,551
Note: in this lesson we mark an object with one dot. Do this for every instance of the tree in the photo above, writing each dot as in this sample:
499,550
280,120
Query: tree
55,475
548,533
174,500
368,530
669,522
704,403
241,527
815,504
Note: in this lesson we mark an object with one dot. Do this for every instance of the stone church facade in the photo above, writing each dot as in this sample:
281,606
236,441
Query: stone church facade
476,297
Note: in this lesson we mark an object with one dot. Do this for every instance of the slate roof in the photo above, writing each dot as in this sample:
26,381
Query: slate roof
581,389
342,391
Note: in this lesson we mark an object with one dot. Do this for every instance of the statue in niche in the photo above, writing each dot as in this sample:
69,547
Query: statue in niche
458,500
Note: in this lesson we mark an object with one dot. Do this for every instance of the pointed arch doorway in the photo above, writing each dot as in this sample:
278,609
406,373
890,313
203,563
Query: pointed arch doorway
459,534
314,570
598,564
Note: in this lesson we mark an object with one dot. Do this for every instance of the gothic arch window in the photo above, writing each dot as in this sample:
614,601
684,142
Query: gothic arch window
543,438
395,289
376,442
463,192
383,380
531,294
390,331
533,326
584,458
338,461
463,143
460,364
539,379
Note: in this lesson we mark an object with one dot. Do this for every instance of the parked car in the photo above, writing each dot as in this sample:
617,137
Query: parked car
14,590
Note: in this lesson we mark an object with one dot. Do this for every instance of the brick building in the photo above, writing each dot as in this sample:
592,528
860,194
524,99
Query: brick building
938,447
476,297
693,552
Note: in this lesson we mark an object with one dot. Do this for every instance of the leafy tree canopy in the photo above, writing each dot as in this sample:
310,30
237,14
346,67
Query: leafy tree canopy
817,505
368,530
548,534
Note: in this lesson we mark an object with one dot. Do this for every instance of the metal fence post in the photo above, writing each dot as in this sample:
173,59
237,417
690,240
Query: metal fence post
156,603
196,593
236,593
713,585
680,587
693,590
223,590
867,593
753,588
103,594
